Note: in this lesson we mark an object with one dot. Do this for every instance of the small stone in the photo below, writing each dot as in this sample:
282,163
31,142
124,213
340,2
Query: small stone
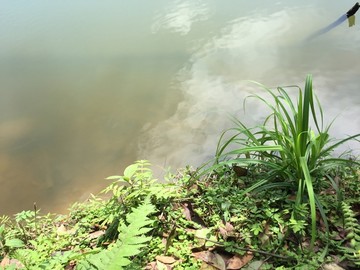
332,266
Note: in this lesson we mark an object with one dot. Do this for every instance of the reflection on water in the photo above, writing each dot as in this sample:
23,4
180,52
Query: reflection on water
268,49
180,15
85,87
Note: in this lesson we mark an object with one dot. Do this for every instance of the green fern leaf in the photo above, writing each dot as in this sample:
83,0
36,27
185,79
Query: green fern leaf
130,242
135,240
352,228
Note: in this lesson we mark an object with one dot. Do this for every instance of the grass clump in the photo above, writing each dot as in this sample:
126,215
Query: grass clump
274,199
291,155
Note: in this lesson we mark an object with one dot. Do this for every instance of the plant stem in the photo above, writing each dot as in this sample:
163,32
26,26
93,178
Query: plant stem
248,249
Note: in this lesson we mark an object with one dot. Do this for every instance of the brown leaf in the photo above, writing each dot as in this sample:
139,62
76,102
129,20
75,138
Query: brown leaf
226,230
70,266
95,235
151,266
7,261
223,231
240,171
165,259
217,261
213,259
190,214
206,266
186,211
162,266
229,228
202,255
237,262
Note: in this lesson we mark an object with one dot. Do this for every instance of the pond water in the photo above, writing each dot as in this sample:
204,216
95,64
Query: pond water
88,87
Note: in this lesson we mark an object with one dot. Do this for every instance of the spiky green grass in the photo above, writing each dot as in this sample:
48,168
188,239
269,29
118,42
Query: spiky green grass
288,150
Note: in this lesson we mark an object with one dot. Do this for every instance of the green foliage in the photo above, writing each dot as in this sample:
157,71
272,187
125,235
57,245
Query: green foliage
136,184
131,239
8,242
352,227
285,152
33,240
129,191
197,219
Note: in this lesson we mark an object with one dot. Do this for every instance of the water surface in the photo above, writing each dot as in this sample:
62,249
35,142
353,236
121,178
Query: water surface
87,87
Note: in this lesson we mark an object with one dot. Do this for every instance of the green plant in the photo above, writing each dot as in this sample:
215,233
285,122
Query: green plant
199,221
129,191
42,242
136,184
8,242
352,227
130,242
285,152
36,242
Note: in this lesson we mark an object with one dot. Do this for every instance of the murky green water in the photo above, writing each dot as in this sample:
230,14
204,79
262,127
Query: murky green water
87,87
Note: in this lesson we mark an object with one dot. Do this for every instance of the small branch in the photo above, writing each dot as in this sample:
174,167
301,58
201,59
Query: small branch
249,249
262,252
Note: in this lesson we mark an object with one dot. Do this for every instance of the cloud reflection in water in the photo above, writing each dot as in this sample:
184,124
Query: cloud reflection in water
179,16
266,49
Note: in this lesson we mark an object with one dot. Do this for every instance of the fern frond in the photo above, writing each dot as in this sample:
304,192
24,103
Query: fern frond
130,242
352,227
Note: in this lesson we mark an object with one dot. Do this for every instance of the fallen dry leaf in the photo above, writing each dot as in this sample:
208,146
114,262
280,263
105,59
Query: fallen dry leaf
240,171
237,262
186,211
7,261
202,255
162,266
213,259
165,259
218,261
151,266
223,232
205,266
226,230
190,214
95,235
229,227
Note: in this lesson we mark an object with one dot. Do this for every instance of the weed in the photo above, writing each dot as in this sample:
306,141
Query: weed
131,240
286,151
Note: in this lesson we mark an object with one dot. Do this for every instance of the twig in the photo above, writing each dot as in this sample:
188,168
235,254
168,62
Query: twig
248,249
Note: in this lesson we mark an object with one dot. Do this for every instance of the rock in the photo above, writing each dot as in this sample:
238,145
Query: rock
332,266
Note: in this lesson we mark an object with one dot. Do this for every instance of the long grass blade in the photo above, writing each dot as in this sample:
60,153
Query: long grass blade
311,197
260,148
335,145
